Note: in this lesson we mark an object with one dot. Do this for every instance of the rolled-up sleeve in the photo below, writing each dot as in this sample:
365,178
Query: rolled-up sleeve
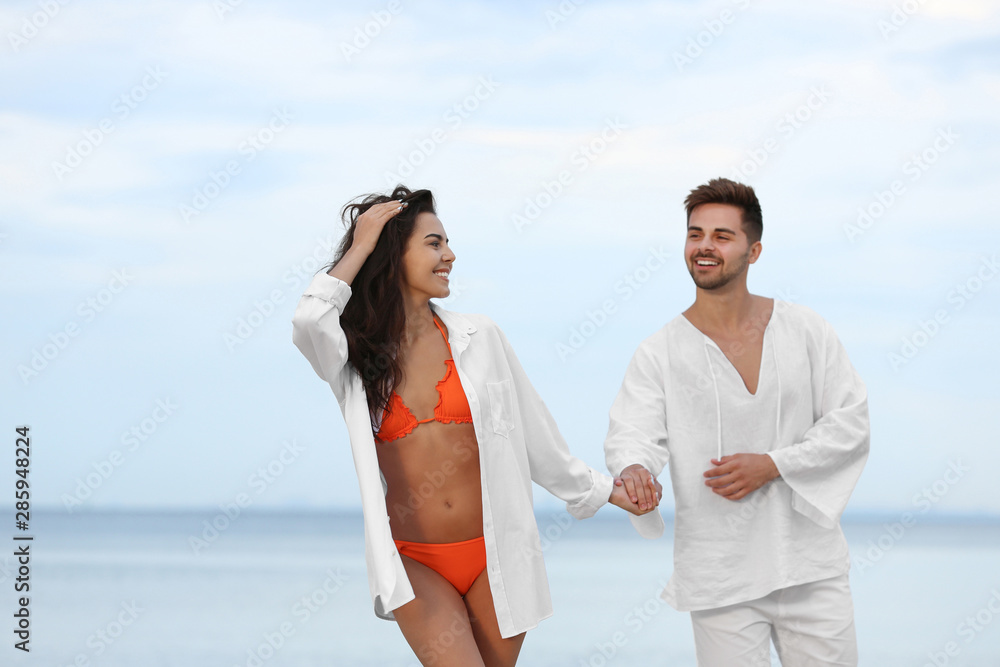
316,327
551,464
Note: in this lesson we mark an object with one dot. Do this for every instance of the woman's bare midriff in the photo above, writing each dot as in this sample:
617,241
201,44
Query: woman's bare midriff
434,489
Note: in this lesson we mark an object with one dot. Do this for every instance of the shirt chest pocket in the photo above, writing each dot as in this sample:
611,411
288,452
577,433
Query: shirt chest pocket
501,406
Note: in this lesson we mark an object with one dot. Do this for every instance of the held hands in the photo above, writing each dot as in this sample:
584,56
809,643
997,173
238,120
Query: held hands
733,477
738,475
636,490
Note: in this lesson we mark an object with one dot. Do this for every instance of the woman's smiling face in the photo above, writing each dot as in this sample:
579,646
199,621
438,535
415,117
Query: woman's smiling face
427,259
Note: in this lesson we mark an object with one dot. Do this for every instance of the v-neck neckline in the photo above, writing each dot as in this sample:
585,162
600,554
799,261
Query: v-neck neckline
763,345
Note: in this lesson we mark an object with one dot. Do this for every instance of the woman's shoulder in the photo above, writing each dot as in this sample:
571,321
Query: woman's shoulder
477,324
446,314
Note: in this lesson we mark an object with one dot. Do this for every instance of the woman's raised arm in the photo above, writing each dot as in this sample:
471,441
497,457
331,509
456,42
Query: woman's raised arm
316,329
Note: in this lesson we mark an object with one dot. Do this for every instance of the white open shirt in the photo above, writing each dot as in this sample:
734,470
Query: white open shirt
682,402
518,443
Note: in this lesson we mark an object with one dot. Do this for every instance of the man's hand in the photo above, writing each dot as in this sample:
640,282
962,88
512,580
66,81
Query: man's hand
640,486
619,497
737,475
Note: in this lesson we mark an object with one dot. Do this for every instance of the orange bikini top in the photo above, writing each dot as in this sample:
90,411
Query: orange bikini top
452,405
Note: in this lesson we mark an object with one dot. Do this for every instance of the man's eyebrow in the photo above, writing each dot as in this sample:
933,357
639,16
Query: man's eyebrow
723,230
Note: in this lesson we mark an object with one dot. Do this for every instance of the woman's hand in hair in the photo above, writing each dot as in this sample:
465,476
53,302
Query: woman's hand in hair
369,224
367,229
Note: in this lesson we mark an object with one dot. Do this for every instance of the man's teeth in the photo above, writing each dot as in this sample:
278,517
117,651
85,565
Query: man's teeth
706,262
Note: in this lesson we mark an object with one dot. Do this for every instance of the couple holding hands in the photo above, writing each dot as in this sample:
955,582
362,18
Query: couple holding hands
752,402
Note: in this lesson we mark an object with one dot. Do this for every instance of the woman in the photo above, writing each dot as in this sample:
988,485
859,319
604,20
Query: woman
447,435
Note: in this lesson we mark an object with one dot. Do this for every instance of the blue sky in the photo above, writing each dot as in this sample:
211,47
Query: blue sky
170,170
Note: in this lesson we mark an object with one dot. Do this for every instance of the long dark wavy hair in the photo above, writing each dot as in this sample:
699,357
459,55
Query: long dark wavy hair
373,318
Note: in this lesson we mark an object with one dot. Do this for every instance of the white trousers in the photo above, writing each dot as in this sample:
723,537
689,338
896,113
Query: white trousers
812,625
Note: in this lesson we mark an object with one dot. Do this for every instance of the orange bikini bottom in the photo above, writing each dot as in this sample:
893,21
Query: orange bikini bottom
460,563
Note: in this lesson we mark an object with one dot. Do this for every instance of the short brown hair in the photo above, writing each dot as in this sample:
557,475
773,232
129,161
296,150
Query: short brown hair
725,191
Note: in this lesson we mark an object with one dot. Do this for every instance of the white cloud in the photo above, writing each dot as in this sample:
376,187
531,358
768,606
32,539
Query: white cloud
356,121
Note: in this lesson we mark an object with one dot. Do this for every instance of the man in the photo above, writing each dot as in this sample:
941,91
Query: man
764,422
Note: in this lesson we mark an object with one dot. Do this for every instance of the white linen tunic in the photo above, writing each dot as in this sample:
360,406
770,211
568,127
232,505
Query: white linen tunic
518,443
683,402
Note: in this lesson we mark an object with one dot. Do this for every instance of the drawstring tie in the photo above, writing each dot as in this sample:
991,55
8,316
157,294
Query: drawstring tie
718,403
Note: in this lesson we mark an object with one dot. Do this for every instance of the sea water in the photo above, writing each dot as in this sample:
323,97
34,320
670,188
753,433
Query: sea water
127,589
